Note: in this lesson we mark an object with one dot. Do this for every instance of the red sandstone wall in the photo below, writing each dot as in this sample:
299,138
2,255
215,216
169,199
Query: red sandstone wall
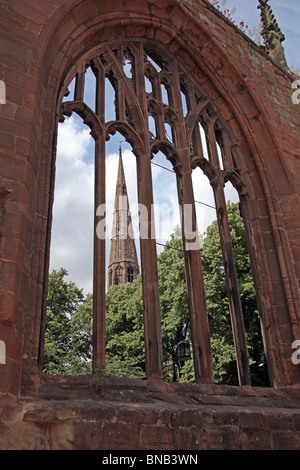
139,416
38,42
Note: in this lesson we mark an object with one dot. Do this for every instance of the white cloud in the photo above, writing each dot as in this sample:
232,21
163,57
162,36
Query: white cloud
203,195
166,207
73,221
72,228
73,211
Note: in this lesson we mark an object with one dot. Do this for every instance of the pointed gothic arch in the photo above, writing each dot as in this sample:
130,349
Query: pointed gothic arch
197,109
234,103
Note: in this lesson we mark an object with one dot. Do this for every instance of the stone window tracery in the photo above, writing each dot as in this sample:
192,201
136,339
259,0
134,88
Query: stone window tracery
157,107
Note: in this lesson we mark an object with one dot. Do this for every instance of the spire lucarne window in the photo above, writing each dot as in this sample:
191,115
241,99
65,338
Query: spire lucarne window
159,108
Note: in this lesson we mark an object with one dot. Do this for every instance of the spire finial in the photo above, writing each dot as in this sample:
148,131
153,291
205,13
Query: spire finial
272,34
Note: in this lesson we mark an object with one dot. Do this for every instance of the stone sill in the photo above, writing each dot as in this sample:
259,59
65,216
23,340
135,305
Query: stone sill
131,390
111,413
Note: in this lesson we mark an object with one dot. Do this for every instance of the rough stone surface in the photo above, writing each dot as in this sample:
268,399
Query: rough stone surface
39,43
130,414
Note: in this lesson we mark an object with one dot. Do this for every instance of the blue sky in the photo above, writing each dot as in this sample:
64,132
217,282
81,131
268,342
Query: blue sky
287,14
72,231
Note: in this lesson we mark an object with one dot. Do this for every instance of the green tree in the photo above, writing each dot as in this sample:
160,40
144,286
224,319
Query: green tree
68,335
69,316
217,303
175,320
174,306
125,352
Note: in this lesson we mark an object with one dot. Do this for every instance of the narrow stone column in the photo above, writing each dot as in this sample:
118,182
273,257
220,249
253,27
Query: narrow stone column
235,307
99,259
195,285
152,319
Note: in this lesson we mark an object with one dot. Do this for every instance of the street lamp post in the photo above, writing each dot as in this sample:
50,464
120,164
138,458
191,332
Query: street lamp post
181,354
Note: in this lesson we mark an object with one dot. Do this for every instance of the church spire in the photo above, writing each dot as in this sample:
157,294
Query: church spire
123,264
272,34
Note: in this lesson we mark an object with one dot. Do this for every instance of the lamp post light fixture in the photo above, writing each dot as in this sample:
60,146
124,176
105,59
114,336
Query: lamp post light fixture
183,351
181,354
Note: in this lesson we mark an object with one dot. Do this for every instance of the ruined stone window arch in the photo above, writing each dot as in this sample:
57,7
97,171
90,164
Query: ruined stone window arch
191,133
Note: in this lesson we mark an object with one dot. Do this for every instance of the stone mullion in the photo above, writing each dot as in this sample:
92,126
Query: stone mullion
228,162
191,99
156,86
235,307
100,89
79,86
99,260
152,318
212,145
193,264
160,122
151,303
197,142
121,99
202,355
140,81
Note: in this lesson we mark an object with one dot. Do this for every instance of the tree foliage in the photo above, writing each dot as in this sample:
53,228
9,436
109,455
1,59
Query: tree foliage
217,303
125,330
68,337
69,315
173,297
